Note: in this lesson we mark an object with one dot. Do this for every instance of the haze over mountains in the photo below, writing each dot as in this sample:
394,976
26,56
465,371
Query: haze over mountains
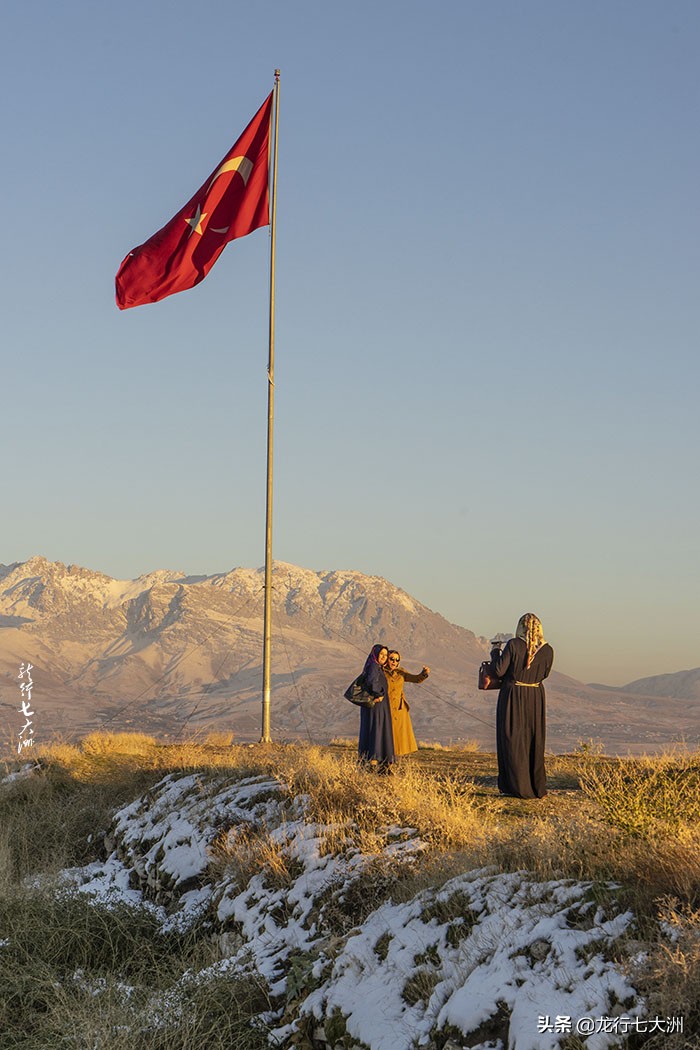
175,655
683,685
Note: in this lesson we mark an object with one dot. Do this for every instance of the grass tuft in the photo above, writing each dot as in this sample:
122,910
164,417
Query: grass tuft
79,975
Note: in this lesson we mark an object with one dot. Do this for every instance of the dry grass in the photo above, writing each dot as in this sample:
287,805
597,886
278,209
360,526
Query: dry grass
669,973
218,739
633,821
636,820
646,795
245,851
78,975
118,743
465,747
340,790
649,808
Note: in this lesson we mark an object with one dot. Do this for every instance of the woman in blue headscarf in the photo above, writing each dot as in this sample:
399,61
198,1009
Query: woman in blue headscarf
376,743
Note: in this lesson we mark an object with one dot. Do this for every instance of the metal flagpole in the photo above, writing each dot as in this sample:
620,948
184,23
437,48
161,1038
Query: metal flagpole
265,737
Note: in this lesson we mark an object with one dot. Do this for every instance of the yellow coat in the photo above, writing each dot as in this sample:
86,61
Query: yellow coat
404,738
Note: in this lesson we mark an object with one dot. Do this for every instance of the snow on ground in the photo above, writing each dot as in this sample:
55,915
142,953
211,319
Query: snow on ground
20,774
450,957
492,959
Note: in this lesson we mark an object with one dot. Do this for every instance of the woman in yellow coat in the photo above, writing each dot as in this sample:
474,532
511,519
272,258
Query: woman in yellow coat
404,738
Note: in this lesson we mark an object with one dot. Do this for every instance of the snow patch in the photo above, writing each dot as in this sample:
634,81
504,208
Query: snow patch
484,956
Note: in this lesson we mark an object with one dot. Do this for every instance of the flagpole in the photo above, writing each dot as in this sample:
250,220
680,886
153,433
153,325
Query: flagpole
265,737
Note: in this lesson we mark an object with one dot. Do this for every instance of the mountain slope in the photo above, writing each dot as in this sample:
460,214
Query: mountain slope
684,685
170,654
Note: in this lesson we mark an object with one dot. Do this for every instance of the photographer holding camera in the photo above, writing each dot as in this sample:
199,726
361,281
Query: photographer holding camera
523,664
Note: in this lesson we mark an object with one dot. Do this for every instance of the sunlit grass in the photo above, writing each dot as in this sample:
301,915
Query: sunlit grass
634,821
465,746
646,795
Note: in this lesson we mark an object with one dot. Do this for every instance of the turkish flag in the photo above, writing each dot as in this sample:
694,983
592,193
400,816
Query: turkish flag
231,203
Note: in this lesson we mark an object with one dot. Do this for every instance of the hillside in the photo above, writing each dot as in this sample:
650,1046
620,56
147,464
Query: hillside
181,896
171,654
683,685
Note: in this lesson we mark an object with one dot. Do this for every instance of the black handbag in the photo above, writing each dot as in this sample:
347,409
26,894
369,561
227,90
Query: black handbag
358,695
487,679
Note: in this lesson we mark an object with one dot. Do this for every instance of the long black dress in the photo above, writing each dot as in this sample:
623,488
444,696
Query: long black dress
520,719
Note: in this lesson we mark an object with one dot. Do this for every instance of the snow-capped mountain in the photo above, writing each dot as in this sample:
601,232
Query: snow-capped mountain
172,654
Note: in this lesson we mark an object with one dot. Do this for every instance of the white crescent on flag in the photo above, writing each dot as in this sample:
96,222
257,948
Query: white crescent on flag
240,164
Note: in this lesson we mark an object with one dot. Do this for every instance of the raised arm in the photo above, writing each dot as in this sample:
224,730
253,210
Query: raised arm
420,677
500,661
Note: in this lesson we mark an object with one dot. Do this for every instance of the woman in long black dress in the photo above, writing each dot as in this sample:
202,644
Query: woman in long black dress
376,736
520,714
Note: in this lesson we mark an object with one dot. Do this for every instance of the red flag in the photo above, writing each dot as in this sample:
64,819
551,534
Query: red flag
231,203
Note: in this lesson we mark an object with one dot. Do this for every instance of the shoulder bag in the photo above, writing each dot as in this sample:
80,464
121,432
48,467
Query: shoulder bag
358,695
487,679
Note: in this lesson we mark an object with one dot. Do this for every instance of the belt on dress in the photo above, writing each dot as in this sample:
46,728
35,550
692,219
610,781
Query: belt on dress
532,685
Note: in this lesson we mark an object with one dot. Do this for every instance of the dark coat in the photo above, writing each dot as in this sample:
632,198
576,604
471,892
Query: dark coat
521,720
376,736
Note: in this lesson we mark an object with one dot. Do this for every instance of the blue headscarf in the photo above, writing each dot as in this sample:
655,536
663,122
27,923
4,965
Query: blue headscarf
372,660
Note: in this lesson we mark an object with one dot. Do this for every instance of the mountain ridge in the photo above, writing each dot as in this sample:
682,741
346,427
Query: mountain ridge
169,651
680,685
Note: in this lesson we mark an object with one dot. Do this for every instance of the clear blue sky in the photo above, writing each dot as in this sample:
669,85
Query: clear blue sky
487,305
